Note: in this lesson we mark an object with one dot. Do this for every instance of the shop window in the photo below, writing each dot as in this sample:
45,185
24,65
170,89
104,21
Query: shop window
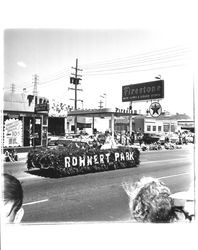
173,128
148,128
32,131
45,120
166,128
13,135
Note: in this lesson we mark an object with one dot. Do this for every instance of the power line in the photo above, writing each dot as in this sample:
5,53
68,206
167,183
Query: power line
132,66
131,71
48,81
136,56
142,61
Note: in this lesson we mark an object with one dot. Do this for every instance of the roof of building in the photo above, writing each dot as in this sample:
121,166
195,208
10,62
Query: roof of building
173,117
17,102
104,112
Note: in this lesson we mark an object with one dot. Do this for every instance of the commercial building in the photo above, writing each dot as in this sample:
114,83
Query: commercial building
165,123
57,120
25,120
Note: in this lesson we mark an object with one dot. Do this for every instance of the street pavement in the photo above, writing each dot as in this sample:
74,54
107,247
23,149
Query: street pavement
98,196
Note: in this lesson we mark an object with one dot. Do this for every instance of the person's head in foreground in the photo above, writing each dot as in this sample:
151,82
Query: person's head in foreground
12,194
150,201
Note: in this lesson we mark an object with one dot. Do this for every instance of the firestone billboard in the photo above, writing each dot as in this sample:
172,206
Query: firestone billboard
143,91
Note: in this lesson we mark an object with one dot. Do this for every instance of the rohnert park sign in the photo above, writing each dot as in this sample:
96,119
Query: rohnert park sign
89,160
143,91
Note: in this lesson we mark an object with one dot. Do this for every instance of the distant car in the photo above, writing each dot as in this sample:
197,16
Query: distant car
190,138
149,138
174,138
59,141
162,139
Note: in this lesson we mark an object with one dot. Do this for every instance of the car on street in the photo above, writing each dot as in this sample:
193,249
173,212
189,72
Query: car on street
173,138
149,138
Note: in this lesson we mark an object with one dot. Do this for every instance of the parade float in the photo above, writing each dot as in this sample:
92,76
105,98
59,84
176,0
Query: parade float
77,157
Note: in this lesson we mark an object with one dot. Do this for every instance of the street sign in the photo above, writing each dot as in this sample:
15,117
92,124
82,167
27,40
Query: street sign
143,91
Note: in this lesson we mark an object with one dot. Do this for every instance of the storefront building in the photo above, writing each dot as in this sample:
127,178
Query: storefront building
57,122
101,119
162,124
25,121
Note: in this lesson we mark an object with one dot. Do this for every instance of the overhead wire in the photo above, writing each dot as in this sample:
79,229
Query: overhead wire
136,56
138,70
147,63
177,56
115,66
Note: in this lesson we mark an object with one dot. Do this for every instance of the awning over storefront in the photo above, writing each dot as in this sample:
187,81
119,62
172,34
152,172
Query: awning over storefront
105,112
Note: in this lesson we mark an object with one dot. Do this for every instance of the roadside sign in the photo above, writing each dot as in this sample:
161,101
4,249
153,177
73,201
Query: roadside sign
143,91
155,109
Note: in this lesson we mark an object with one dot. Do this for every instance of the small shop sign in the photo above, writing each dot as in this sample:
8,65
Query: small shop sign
41,107
13,133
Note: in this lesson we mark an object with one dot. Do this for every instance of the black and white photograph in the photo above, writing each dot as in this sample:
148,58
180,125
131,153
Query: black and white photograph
98,127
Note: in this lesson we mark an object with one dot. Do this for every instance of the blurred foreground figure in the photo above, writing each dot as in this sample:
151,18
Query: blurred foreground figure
150,201
12,194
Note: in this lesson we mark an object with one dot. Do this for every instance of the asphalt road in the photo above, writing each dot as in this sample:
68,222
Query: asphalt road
98,196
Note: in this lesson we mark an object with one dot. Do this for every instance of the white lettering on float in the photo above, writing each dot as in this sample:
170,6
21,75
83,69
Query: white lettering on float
127,156
67,161
89,160
116,156
73,161
122,158
101,159
81,161
96,159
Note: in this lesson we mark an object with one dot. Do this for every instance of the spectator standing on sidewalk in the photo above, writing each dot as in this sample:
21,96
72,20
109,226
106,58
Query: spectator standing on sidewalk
140,137
12,194
132,137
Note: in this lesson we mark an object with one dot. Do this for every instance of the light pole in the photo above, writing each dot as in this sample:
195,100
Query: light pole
104,96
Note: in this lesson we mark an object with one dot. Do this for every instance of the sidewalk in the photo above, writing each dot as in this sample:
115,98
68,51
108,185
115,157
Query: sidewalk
21,156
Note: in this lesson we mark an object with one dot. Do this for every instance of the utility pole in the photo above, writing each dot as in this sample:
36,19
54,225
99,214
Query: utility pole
76,81
100,104
35,93
35,81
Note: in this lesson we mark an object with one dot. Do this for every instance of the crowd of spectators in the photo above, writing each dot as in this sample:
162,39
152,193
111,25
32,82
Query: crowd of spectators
11,155
138,139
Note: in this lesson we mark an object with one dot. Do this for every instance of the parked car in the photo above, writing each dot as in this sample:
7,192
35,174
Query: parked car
150,138
174,138
190,138
59,141
162,139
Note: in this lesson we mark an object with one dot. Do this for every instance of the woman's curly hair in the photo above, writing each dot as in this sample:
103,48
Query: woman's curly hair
150,201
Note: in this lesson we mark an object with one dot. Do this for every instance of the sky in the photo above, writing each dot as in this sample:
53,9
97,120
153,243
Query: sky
109,59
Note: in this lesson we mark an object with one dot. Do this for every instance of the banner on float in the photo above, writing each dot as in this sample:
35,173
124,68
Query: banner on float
102,158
